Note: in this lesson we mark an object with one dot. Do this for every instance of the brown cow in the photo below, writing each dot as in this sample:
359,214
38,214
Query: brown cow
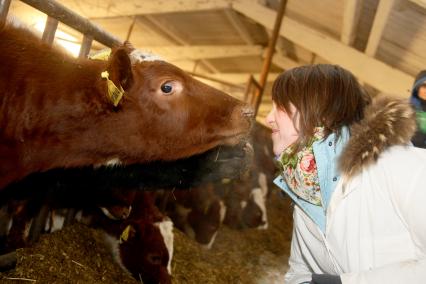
55,113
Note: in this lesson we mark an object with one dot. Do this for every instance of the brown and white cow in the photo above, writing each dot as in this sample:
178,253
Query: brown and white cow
55,111
198,212
142,243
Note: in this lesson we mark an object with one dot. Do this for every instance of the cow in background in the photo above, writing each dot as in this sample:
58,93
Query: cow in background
139,235
246,198
197,212
142,243
58,112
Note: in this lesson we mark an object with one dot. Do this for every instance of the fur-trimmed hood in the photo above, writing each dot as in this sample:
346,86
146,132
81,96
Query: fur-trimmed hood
387,122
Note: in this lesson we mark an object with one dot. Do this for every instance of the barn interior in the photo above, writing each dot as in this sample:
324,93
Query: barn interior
238,47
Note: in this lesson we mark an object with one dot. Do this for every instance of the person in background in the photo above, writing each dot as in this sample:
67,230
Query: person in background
356,180
418,100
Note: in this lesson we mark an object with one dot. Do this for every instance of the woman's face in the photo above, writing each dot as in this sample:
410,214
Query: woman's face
422,92
283,130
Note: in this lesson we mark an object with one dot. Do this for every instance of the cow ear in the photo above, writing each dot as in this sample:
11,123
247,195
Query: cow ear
128,233
120,68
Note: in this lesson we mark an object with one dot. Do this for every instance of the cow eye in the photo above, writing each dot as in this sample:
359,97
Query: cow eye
154,258
167,87
170,87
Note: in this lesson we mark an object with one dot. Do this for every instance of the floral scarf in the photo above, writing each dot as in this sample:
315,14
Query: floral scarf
300,170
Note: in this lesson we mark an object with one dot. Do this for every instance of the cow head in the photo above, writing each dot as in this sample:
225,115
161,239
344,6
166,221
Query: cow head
144,253
205,224
166,114
69,113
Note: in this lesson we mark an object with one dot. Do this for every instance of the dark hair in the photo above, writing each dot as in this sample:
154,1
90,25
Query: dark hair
324,95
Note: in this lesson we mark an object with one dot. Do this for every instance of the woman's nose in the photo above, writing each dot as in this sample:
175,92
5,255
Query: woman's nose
269,118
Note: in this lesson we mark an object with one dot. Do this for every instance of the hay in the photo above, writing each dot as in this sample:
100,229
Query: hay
77,254
249,256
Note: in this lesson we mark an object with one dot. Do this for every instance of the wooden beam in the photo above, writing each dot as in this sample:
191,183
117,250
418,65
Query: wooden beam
421,3
380,19
95,9
174,35
241,78
195,52
370,70
351,13
284,62
213,79
239,26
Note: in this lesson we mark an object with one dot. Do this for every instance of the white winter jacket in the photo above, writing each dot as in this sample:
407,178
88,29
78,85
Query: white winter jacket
375,228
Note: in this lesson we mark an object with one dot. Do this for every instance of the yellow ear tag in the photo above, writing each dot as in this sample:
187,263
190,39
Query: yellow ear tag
114,94
102,55
125,235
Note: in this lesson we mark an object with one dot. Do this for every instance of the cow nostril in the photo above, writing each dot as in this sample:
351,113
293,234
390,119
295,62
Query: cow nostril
247,111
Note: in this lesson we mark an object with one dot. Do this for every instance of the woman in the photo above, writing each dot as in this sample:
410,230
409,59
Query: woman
356,181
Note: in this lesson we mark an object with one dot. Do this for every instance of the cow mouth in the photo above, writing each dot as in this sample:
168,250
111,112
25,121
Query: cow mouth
232,139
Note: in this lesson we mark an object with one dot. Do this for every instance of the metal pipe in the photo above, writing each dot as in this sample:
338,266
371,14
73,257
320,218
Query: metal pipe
4,9
269,54
75,21
50,30
85,46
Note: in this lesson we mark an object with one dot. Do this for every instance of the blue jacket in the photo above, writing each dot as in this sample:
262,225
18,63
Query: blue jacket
326,154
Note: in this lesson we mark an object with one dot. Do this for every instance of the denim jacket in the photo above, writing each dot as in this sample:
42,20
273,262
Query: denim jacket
326,154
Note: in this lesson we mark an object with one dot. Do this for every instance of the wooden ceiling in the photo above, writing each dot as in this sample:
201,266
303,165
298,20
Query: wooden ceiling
383,42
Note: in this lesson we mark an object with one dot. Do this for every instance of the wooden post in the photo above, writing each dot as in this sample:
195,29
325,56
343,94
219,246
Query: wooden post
269,54
4,9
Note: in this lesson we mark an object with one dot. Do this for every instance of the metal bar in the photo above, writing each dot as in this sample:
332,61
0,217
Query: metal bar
75,21
50,30
4,9
248,89
69,216
85,46
38,224
8,261
269,55
132,25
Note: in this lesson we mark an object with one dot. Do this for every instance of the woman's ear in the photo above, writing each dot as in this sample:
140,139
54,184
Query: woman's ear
120,68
